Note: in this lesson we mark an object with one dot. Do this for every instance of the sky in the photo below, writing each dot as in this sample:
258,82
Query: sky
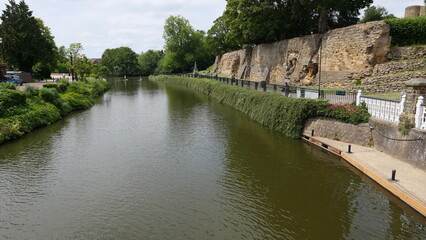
138,24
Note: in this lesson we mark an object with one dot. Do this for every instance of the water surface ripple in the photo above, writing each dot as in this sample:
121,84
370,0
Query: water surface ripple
150,161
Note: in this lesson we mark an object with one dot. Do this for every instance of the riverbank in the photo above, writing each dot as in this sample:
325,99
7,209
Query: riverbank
409,184
21,111
271,109
276,110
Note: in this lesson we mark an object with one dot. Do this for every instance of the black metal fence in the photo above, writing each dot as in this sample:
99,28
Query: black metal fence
334,96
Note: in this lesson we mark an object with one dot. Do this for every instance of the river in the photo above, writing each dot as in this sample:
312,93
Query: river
151,161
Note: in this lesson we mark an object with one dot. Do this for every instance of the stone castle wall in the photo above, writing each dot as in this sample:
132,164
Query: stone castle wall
344,55
415,11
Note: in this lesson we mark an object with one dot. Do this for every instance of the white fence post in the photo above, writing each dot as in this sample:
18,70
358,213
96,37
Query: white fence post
358,97
401,106
419,112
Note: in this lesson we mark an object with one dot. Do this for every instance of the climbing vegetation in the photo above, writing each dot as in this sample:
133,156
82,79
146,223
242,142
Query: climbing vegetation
279,113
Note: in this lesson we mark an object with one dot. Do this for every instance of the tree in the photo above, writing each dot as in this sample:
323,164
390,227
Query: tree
374,13
251,22
216,39
120,61
26,41
149,60
183,46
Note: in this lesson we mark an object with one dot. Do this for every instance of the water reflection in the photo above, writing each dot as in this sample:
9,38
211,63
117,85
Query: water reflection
161,162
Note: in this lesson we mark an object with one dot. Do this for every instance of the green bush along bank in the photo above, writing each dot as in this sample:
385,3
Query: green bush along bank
279,113
23,111
408,31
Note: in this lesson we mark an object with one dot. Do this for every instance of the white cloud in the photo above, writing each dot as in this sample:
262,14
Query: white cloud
101,24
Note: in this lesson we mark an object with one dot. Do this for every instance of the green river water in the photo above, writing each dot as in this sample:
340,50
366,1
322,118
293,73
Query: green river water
152,161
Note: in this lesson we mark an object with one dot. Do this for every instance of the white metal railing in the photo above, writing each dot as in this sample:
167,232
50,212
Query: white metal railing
420,114
307,93
384,109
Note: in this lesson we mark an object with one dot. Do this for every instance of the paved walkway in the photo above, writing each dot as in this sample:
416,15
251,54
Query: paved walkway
34,84
409,184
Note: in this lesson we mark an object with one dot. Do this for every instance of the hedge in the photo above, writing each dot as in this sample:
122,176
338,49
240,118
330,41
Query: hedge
271,109
22,111
407,31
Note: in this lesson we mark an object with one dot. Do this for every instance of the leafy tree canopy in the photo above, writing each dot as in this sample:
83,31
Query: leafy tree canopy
120,61
374,13
249,22
148,61
26,41
183,46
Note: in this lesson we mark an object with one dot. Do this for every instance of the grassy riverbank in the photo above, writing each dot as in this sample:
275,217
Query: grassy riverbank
281,114
271,109
23,111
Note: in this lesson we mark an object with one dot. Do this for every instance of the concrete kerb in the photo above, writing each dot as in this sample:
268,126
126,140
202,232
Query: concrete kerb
410,184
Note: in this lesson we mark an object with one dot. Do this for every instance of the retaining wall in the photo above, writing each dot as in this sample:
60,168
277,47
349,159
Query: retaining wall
381,138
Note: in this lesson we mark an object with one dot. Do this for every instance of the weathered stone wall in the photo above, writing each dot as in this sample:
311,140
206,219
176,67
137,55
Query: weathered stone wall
346,54
413,152
404,53
337,130
381,138
414,11
387,83
398,67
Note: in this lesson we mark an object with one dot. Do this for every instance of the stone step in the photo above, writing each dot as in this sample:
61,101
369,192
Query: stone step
399,66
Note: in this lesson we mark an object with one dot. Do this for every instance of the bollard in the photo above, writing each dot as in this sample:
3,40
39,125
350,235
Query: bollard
242,83
256,85
312,134
349,148
393,174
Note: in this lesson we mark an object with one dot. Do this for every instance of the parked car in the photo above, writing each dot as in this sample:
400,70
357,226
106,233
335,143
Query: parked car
13,79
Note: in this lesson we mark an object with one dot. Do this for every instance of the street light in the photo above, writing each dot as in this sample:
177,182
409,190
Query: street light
72,67
319,70
2,49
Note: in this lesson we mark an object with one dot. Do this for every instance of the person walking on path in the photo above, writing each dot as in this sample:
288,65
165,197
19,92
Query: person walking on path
286,89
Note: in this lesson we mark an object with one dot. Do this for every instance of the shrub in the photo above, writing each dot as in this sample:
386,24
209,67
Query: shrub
63,105
49,94
10,98
281,114
31,91
7,85
22,111
78,101
38,115
348,113
408,31
9,130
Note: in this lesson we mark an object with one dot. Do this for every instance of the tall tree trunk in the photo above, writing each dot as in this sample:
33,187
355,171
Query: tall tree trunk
323,19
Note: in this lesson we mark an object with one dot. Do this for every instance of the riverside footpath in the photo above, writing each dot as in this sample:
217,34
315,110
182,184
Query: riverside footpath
409,184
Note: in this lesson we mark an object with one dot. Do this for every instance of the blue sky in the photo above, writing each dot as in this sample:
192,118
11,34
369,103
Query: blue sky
138,24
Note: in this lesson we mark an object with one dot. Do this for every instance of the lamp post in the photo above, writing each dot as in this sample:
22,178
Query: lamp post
319,68
72,67
2,49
